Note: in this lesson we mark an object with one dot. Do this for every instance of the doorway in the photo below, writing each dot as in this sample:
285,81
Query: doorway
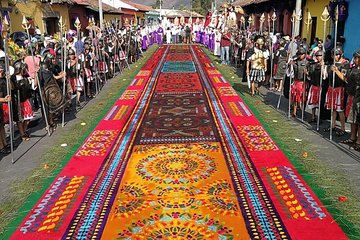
52,25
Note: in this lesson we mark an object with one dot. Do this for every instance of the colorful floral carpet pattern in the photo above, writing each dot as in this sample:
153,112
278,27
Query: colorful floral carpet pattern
179,156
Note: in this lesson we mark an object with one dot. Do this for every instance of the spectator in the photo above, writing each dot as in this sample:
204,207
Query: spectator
4,98
328,46
37,31
187,34
225,46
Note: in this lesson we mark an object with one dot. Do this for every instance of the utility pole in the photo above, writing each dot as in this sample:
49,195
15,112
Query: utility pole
101,14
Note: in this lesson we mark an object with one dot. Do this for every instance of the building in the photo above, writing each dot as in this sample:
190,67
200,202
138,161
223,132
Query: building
172,14
283,10
45,15
140,13
86,9
352,39
152,16
128,11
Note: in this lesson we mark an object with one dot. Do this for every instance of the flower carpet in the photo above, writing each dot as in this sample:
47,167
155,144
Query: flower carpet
179,156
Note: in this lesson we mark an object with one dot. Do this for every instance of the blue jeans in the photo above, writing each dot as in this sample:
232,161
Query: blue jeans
225,55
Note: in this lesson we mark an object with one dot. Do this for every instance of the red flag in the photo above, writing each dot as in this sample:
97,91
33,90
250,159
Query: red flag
208,19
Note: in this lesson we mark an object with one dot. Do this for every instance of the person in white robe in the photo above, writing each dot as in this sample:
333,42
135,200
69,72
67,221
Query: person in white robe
217,48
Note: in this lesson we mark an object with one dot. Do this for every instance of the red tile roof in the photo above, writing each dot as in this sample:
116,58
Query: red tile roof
141,7
94,5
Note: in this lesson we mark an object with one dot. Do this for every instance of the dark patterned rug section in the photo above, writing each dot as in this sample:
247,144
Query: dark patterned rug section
179,50
178,82
177,118
179,57
178,67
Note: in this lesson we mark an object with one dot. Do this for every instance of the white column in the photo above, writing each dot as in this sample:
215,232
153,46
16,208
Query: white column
297,24
101,14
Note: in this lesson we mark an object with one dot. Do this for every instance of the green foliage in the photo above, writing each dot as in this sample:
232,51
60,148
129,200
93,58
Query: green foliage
183,7
156,5
201,6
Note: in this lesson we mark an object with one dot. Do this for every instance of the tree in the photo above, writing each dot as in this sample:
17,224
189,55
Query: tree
196,6
201,6
157,4
206,5
182,7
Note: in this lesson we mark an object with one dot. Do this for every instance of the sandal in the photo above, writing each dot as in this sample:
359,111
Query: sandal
356,146
340,133
25,138
348,141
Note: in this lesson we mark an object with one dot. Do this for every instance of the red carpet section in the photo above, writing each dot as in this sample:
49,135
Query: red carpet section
179,156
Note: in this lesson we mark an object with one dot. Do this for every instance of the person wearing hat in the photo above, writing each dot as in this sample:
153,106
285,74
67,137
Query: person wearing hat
87,62
352,107
315,71
23,86
281,58
76,83
49,71
256,64
300,73
335,95
315,49
4,98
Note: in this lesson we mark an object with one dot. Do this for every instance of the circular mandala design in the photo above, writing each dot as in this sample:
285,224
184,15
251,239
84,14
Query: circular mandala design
176,167
130,200
176,197
221,199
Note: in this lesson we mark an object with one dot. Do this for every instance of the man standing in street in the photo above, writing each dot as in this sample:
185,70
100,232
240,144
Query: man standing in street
225,45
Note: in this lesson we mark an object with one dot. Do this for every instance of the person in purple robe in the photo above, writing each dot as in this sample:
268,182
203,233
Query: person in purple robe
150,39
160,35
198,36
212,41
203,37
207,39
144,42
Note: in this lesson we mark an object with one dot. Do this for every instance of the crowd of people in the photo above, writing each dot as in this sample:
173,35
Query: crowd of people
314,76
58,75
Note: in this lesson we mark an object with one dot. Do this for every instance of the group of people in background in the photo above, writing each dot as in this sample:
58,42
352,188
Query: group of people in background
316,76
58,76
